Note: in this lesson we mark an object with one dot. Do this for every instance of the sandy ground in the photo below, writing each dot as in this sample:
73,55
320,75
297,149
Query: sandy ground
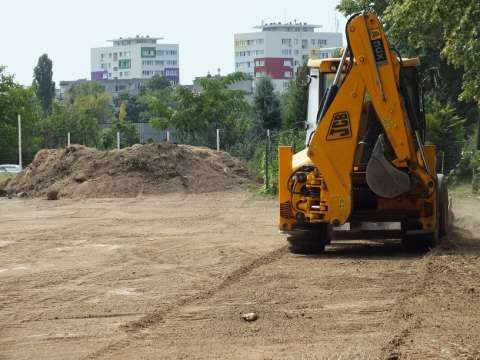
168,277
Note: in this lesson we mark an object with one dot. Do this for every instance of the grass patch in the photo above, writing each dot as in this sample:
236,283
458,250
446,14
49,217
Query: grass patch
6,176
4,179
462,190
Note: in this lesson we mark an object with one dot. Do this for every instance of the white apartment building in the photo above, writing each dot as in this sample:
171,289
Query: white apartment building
139,57
277,50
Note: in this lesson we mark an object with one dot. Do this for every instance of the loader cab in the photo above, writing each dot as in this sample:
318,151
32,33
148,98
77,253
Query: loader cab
322,73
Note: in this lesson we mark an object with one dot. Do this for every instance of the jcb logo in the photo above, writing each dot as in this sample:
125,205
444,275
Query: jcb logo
377,46
340,127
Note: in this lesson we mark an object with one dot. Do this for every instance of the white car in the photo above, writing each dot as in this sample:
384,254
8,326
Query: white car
10,168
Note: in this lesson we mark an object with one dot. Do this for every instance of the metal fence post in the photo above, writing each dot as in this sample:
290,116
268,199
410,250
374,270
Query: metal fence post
68,139
168,135
20,160
118,140
218,139
267,160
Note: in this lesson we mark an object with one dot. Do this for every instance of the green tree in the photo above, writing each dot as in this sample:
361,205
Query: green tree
87,107
266,105
122,112
156,82
45,87
136,107
195,117
349,7
86,88
14,100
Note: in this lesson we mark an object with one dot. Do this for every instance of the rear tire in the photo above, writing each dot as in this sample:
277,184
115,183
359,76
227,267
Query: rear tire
311,241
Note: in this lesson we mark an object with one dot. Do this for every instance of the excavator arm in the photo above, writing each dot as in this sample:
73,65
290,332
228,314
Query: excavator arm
369,71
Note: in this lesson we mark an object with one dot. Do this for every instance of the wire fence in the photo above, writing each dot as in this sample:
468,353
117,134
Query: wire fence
259,150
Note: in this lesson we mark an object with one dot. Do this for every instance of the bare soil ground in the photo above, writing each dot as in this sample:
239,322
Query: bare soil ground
168,277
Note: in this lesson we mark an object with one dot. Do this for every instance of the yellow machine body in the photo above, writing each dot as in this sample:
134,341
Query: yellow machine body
331,188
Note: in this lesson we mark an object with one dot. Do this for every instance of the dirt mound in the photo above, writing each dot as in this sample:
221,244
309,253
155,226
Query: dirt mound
78,171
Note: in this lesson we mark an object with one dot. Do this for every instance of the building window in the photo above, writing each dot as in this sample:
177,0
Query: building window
286,52
148,52
287,62
259,62
124,64
259,41
121,74
160,52
295,42
322,42
312,42
285,85
115,68
287,74
287,42
260,74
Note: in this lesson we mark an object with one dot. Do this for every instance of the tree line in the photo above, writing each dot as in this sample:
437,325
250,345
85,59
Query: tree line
93,117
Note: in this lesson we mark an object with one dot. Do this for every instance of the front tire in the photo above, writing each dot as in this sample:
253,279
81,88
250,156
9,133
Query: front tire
311,241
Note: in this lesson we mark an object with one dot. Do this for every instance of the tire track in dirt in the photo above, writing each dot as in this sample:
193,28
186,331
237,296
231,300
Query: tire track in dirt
409,321
136,329
452,253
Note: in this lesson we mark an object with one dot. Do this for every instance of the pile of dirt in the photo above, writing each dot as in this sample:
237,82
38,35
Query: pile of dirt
79,172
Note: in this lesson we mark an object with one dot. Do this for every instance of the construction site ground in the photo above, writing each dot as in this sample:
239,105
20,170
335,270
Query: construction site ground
169,276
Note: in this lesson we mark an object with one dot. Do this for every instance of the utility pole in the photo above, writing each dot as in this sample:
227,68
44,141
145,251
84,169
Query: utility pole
20,161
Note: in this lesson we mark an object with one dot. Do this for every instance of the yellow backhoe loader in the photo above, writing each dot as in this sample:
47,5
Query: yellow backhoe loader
365,159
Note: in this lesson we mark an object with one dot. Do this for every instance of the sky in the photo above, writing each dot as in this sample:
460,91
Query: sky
66,30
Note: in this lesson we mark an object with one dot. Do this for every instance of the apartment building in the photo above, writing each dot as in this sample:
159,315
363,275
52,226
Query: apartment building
278,49
139,57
